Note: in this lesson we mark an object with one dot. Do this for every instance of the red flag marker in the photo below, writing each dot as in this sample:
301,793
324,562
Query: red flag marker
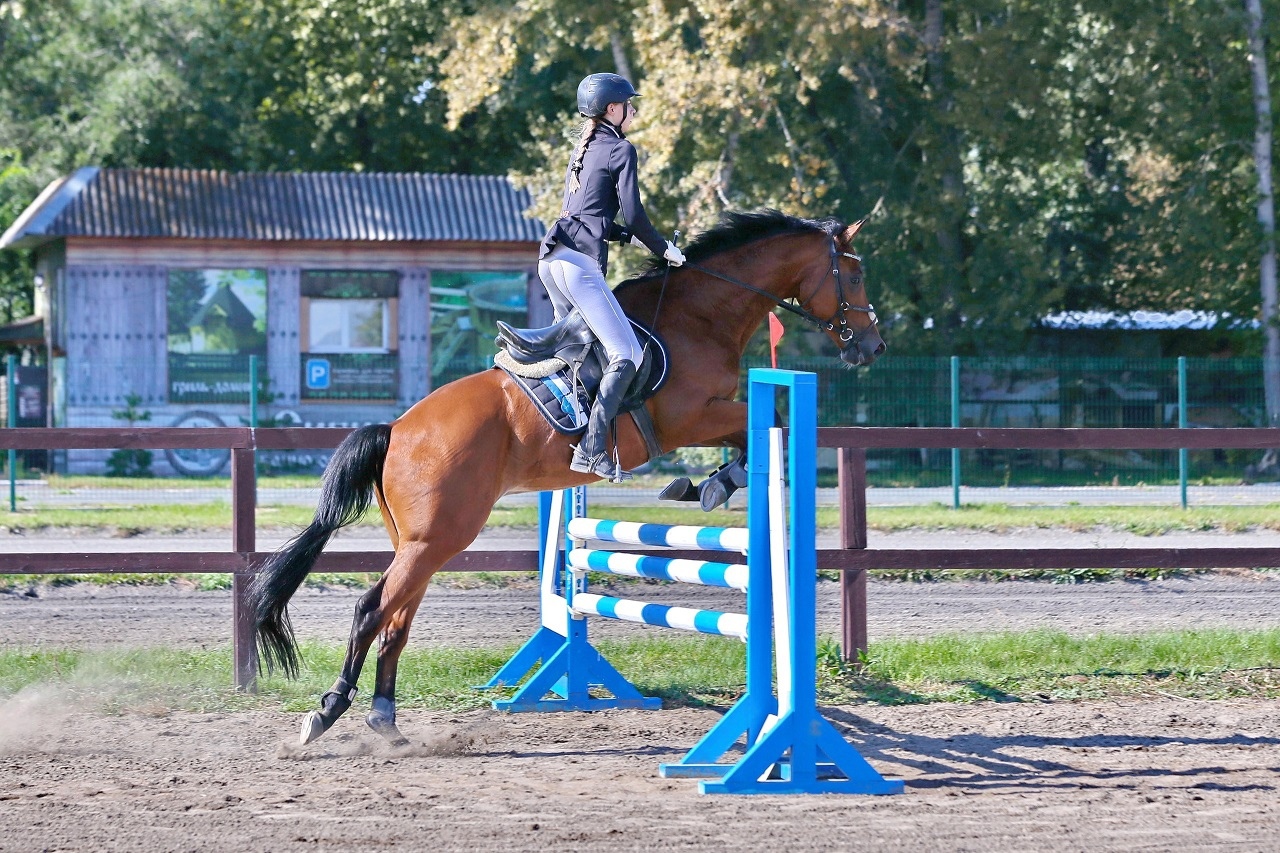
776,331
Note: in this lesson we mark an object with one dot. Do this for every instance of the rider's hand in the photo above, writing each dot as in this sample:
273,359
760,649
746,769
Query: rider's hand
637,242
674,256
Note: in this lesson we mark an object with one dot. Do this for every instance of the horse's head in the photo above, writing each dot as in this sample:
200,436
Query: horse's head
840,302
812,271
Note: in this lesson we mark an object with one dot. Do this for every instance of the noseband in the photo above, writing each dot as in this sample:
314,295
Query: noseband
848,336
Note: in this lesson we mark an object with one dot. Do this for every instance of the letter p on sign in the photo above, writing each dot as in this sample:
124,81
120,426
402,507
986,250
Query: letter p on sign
317,373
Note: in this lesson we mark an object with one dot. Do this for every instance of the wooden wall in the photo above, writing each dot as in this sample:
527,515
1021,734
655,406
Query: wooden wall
284,364
112,316
241,254
116,338
414,335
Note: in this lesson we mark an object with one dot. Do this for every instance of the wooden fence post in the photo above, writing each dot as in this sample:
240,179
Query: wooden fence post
852,479
244,504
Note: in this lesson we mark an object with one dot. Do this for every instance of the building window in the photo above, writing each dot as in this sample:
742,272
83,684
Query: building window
350,325
349,320
465,308
217,320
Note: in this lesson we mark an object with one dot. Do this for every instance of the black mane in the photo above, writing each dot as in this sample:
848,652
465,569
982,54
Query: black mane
738,229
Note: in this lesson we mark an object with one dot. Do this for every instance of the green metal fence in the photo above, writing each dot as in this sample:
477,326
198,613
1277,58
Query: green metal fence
1046,392
998,392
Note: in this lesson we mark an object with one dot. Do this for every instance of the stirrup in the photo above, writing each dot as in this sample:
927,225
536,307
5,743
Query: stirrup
600,465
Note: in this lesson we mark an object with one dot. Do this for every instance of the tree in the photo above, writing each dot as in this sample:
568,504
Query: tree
15,268
84,78
302,85
735,110
1266,210
1029,156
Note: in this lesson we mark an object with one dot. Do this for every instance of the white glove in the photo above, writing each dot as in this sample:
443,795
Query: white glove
674,256
637,242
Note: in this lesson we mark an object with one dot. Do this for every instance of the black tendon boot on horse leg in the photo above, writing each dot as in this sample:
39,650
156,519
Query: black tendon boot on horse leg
591,456
334,704
723,482
713,491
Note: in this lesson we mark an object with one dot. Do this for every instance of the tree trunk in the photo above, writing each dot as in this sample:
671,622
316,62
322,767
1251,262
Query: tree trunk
951,210
1266,211
620,61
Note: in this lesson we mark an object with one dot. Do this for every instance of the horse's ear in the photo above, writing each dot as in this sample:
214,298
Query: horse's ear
852,231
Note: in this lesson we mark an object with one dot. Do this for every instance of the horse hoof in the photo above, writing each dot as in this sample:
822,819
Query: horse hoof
680,489
711,494
386,728
312,727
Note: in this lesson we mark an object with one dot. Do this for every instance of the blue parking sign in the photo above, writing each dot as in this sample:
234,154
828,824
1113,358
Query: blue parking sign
317,374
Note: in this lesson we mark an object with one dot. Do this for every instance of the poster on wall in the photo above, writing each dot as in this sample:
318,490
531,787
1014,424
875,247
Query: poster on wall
217,320
465,308
349,335
350,376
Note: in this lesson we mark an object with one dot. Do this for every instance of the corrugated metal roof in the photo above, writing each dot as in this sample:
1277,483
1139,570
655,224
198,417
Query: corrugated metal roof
29,330
196,204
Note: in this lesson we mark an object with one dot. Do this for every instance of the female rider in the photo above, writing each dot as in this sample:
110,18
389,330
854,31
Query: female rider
601,180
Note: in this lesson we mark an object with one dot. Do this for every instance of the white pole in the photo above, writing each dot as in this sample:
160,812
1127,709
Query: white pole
779,570
555,607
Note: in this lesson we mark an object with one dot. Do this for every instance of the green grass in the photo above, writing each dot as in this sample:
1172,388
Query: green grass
209,581
1009,667
1051,665
1140,520
681,670
996,518
71,483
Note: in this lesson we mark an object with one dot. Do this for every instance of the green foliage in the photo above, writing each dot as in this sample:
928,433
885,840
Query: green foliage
16,191
1030,156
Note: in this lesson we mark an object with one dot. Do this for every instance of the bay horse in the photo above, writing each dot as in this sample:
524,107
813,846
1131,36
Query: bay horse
437,470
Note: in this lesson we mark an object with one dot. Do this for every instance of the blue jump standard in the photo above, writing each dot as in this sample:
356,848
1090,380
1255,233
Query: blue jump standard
562,661
790,747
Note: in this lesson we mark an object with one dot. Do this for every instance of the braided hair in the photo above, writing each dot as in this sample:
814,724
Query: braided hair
580,151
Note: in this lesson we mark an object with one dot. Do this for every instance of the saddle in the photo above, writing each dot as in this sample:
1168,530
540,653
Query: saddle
559,369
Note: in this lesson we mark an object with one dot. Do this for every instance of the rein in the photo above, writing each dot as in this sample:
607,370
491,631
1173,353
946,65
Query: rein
846,332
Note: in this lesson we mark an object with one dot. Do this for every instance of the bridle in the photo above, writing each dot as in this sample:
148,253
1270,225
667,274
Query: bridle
847,334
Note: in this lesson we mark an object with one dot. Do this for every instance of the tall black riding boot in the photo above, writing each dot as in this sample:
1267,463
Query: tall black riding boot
591,456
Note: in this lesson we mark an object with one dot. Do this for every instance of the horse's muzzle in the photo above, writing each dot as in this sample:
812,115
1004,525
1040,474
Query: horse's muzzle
864,349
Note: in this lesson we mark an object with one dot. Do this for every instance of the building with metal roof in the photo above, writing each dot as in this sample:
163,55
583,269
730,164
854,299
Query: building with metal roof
354,294
275,206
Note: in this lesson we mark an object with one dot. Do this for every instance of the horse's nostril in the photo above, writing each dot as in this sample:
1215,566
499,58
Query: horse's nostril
880,349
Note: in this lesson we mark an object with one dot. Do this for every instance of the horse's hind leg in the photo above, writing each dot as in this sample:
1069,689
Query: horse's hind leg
382,719
404,581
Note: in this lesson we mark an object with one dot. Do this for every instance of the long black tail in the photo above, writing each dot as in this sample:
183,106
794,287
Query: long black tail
353,471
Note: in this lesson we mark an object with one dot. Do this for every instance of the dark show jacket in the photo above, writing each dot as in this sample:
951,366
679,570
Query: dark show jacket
607,185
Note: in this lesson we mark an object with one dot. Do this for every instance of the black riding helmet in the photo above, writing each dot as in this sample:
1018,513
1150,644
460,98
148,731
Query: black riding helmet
597,91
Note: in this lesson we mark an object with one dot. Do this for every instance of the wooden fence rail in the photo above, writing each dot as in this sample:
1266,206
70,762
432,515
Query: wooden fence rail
853,558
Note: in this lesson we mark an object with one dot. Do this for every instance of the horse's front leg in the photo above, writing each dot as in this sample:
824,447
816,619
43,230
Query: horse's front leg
722,421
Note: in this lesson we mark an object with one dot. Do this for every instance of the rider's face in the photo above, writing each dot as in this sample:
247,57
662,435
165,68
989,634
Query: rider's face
622,115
